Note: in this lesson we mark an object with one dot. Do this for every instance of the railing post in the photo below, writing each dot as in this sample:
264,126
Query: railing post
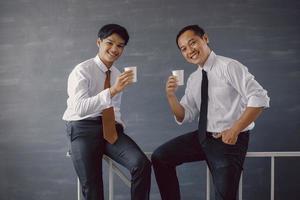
272,177
78,189
111,180
207,184
241,187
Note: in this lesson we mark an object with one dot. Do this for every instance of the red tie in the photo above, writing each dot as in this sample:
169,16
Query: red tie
108,118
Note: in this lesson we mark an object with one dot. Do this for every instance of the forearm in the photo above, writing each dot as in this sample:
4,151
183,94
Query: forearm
248,116
113,92
88,105
176,107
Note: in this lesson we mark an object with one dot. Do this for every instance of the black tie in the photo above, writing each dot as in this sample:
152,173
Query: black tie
203,109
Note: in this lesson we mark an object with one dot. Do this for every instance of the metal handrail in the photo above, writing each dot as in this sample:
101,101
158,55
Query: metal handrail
114,169
271,155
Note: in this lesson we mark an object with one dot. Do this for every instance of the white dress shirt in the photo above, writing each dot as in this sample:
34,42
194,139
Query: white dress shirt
231,88
87,97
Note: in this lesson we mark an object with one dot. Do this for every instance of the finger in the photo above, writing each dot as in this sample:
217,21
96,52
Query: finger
129,72
172,81
173,78
127,83
127,80
172,84
130,79
126,76
224,139
129,76
126,73
228,141
123,81
171,88
122,74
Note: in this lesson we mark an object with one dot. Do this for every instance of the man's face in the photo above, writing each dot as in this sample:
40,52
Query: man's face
193,47
110,49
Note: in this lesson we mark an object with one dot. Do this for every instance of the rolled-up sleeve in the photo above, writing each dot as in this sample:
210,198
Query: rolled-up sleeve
79,98
189,105
246,85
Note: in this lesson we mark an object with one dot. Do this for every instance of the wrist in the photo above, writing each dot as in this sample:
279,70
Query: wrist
236,130
171,95
112,91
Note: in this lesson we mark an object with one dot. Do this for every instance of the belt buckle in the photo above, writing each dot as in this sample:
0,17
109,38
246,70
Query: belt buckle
215,134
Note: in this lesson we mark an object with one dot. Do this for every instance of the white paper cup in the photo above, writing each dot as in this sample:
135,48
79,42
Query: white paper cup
133,68
179,76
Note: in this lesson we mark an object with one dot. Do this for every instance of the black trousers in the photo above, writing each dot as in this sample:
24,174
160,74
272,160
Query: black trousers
224,161
87,149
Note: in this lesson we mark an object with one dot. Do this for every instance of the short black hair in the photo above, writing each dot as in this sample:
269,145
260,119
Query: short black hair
110,29
195,28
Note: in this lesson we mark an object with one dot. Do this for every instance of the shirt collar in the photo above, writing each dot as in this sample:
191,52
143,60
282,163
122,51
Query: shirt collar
101,65
209,62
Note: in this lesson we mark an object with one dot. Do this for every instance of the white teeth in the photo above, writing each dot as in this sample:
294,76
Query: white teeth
113,55
193,56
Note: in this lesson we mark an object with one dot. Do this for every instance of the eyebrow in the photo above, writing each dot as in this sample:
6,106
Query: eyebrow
180,47
191,40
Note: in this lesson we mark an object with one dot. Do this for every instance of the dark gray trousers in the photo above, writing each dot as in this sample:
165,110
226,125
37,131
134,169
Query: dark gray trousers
87,149
224,161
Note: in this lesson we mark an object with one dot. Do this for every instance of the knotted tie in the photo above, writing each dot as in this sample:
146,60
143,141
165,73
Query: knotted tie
202,125
108,118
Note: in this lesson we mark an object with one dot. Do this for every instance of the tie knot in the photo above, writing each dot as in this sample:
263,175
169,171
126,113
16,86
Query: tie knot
108,73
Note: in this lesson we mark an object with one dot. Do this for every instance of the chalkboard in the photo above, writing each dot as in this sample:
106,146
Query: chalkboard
41,42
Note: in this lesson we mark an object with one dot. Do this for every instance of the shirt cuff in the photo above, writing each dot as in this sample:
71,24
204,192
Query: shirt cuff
178,122
185,116
105,98
259,102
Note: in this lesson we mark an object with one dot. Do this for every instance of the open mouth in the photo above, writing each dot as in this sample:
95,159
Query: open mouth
194,55
112,55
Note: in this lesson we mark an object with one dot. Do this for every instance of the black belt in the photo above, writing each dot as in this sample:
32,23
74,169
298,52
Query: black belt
214,133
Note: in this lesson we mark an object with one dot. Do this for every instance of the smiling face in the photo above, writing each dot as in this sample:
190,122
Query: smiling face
110,49
194,48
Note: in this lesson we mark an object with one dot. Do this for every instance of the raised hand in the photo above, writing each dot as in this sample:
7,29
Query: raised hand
171,86
123,80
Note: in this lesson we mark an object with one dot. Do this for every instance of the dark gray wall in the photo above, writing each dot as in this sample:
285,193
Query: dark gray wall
41,41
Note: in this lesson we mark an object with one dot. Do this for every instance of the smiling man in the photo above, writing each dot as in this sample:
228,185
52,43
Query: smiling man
94,123
227,99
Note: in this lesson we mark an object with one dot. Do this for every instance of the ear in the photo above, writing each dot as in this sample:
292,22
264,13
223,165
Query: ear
205,38
98,42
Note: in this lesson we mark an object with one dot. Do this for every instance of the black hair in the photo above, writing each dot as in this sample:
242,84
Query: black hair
110,29
195,28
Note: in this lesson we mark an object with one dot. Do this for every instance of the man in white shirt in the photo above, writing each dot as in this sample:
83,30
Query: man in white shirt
227,99
90,96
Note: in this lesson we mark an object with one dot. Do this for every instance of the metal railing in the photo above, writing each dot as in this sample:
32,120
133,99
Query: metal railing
271,155
114,169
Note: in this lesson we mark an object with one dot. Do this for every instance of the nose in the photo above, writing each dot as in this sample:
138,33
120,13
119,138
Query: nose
189,50
114,48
